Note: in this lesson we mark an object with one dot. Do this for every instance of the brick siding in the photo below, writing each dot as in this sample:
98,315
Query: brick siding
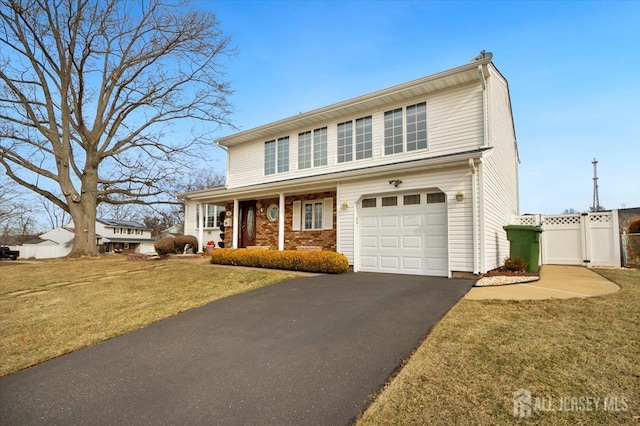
267,231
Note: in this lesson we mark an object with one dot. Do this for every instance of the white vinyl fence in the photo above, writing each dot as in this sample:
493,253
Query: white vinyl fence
590,239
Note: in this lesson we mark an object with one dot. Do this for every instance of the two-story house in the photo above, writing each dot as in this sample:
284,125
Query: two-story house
418,178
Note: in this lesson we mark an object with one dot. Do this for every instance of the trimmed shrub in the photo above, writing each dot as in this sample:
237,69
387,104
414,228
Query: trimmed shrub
165,246
292,260
516,264
181,241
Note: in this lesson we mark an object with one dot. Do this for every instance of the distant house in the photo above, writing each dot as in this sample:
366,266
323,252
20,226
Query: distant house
418,178
112,236
122,236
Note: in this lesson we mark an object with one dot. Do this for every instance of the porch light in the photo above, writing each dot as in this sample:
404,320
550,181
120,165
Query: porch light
460,196
344,205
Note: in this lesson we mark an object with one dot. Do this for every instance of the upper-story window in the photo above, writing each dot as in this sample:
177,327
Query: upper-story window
320,147
416,129
364,139
312,152
276,156
345,141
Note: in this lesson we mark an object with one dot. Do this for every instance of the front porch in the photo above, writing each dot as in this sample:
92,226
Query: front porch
279,221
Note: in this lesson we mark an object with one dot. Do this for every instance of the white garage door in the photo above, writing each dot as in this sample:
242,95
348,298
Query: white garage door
404,234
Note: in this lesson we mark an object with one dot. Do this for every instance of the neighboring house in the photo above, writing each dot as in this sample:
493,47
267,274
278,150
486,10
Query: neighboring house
418,178
112,236
122,236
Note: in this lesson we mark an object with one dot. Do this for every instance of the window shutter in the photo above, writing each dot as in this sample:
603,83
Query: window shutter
296,215
327,214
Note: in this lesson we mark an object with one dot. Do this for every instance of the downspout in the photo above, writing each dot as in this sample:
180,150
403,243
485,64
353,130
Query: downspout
474,213
483,236
485,107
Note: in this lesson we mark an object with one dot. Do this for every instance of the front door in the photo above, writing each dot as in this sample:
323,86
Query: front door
247,224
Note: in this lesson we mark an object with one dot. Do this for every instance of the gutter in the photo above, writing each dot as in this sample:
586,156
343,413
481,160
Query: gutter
474,213
332,178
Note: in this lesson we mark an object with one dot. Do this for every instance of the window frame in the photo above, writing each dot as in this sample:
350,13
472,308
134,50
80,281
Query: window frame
205,211
305,152
344,142
315,225
407,120
358,144
276,156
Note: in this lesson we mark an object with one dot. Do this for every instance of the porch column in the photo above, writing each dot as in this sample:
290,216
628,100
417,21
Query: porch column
200,227
236,223
281,223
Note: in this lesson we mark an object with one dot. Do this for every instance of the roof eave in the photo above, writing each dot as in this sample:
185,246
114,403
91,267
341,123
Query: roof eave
330,180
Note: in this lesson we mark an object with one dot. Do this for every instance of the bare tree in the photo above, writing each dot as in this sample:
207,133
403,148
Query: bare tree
89,90
56,217
16,218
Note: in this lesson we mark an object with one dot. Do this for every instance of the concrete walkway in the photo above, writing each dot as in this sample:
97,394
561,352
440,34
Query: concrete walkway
556,282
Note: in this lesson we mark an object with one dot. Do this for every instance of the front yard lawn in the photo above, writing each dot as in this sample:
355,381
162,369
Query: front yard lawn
49,308
562,351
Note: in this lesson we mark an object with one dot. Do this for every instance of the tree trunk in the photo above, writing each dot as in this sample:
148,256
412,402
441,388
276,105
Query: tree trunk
83,212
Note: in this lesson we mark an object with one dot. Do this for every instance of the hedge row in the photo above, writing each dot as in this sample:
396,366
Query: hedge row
170,245
308,261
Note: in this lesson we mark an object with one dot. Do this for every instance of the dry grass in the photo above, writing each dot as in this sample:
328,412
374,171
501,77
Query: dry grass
467,369
49,308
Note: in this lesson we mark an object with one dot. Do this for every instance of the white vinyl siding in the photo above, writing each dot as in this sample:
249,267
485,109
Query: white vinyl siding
499,176
454,124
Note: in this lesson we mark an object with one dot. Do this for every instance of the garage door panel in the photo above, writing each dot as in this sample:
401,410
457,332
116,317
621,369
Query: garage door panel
390,241
369,242
412,241
436,264
412,220
389,221
369,262
437,242
370,222
437,218
390,262
412,264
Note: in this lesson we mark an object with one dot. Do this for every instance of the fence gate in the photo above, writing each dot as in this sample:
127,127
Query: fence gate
590,239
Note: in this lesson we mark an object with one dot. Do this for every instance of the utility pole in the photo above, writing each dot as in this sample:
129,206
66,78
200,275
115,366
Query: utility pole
596,201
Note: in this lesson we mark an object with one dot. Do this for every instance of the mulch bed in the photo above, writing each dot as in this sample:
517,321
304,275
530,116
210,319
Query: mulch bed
504,272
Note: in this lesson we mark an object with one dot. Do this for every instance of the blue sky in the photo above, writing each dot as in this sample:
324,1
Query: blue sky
573,70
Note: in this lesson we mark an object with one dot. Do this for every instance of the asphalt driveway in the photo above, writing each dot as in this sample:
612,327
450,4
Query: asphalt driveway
307,351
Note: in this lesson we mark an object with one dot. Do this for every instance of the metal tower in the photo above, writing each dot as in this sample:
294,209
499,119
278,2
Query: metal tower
596,201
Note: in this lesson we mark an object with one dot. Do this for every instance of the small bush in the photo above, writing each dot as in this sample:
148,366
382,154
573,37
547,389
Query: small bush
516,264
181,241
165,246
292,260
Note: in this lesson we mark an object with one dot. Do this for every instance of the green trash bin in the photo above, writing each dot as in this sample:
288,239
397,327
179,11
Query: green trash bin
524,240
